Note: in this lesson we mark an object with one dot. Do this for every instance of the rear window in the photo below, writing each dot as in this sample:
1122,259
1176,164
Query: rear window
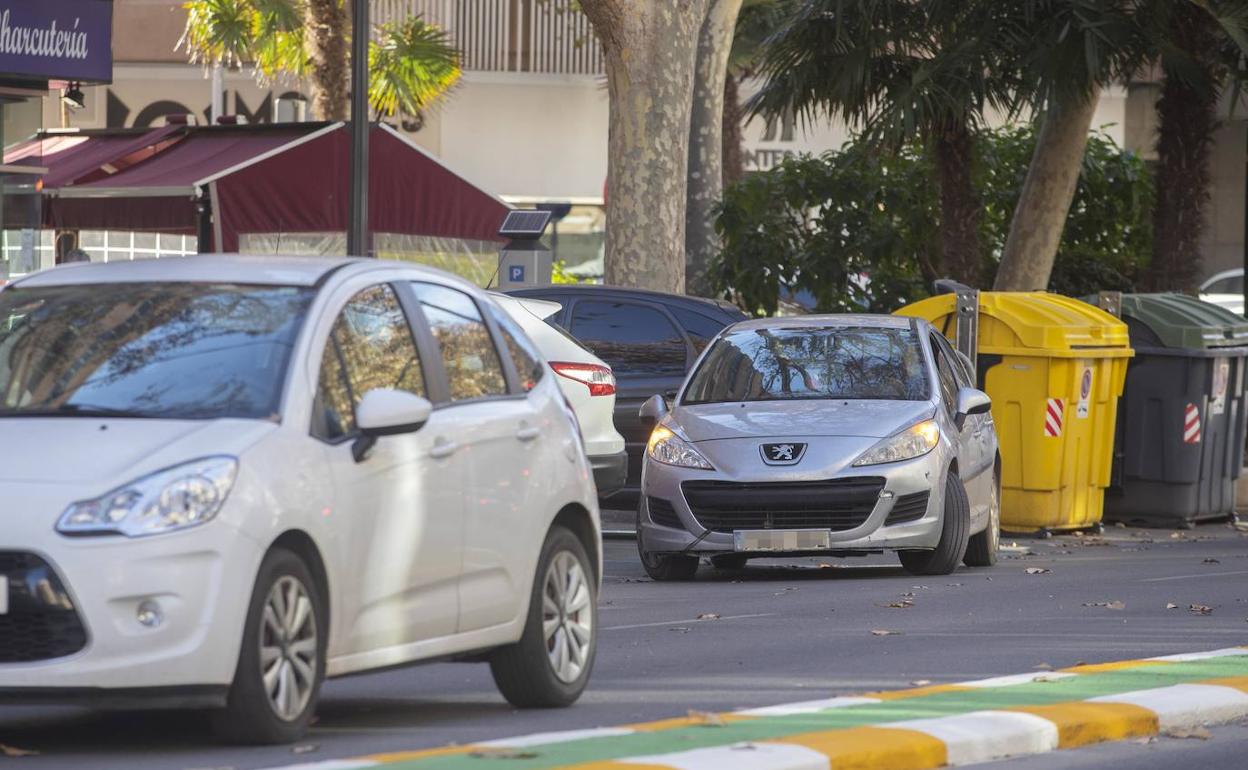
775,364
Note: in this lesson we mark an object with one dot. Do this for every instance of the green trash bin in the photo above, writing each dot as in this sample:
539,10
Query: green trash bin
1180,438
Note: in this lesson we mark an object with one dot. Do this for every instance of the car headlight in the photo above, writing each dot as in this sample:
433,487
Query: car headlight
668,448
176,498
918,439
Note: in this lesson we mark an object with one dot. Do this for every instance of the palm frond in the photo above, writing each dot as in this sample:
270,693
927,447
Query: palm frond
411,65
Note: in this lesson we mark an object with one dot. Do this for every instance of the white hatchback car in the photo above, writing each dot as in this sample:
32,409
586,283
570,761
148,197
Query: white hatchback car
585,379
227,478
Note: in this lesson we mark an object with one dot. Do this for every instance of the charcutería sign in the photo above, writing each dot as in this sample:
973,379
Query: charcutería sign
57,39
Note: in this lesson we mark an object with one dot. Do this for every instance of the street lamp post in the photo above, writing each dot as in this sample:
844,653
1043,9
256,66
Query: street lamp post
357,225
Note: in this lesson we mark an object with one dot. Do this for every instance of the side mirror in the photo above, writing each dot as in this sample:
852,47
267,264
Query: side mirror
652,411
971,401
386,412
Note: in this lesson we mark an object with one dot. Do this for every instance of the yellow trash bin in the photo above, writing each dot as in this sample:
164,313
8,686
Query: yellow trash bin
1054,367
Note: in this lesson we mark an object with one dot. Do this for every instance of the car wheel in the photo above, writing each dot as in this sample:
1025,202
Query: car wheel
982,549
948,553
731,561
282,660
664,568
549,667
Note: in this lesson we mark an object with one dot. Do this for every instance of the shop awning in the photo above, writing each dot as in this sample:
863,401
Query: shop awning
70,157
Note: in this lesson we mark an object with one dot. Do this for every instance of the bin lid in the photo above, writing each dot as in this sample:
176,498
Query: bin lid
1180,321
1031,323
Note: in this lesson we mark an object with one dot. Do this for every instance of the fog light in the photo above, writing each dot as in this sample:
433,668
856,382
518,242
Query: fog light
149,614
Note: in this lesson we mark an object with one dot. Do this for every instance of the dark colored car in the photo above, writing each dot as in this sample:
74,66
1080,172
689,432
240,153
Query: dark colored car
649,338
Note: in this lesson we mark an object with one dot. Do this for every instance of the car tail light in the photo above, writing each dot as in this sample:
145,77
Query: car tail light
599,379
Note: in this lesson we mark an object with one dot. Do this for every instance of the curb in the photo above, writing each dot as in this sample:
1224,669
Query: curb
1029,716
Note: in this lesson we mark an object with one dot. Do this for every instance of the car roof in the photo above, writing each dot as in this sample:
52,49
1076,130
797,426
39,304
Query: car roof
199,268
827,321
702,303
1232,273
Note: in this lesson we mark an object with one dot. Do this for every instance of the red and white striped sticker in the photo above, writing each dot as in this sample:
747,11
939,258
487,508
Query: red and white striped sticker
1053,416
1191,424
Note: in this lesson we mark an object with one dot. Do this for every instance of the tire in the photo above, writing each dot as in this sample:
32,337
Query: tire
254,712
525,672
981,551
663,569
948,553
731,561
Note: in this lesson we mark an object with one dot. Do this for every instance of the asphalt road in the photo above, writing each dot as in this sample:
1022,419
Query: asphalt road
784,633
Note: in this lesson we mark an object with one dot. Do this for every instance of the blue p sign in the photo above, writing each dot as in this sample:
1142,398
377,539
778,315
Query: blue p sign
515,273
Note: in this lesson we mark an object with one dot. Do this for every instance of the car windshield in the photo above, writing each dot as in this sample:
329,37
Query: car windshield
166,350
848,362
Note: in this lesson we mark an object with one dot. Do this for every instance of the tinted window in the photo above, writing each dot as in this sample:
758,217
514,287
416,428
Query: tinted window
171,350
370,347
524,357
1230,285
473,367
945,375
632,339
701,330
811,363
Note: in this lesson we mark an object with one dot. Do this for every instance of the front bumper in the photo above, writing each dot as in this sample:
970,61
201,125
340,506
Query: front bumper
610,471
200,579
680,530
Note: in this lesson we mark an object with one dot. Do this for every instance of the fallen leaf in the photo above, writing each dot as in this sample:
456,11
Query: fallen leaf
1176,535
884,632
503,754
1146,740
921,682
1200,609
1120,524
1193,732
1037,571
1171,606
1044,666
13,752
709,616
304,748
1211,561
706,718
1114,605
681,629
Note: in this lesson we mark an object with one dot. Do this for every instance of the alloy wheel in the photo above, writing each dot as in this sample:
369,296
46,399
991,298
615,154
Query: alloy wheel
567,617
994,518
288,648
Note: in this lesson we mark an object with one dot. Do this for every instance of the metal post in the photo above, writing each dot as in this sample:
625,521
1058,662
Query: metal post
968,322
357,224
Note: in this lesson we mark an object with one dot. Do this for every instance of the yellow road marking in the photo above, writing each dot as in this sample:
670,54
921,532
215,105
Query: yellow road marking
1237,682
917,692
403,756
1080,723
1097,668
873,748
708,720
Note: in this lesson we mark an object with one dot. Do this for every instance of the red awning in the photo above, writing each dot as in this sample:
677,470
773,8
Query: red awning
70,157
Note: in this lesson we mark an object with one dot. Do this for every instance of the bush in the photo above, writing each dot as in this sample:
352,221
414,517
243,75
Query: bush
857,230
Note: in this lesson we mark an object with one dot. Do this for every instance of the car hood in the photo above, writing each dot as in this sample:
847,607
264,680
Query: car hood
112,452
794,419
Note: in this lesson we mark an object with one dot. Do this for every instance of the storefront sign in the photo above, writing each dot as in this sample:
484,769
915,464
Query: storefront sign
56,40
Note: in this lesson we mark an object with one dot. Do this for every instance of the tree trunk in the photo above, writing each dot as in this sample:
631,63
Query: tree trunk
325,42
650,48
1186,121
959,204
734,139
706,121
1044,202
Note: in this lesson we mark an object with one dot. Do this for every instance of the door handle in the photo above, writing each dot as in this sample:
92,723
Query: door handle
528,433
442,449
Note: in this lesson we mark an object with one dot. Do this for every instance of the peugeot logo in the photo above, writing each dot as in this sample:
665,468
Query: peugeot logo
789,453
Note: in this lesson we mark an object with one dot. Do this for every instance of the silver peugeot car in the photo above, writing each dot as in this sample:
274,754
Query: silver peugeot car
838,435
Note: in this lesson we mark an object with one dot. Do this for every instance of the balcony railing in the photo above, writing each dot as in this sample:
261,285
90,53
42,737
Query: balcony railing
509,35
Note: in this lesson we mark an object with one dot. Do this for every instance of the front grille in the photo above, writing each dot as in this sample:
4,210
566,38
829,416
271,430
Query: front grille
836,504
41,623
662,513
908,508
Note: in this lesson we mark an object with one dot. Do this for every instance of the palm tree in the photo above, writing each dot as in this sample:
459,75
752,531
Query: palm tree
412,64
901,71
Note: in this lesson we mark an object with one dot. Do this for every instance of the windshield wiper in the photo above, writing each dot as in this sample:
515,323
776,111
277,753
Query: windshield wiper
74,410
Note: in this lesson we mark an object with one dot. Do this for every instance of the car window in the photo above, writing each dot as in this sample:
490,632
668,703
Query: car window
473,366
701,329
945,376
1232,284
369,347
961,365
845,362
524,356
633,339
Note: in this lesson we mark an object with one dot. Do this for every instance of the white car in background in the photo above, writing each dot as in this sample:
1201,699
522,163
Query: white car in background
1225,289
228,478
585,379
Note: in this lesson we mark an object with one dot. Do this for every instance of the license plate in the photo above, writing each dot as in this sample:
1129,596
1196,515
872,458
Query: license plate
4,594
782,540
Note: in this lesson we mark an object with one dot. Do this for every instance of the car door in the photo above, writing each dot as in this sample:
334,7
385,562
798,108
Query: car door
499,441
398,508
647,353
969,439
